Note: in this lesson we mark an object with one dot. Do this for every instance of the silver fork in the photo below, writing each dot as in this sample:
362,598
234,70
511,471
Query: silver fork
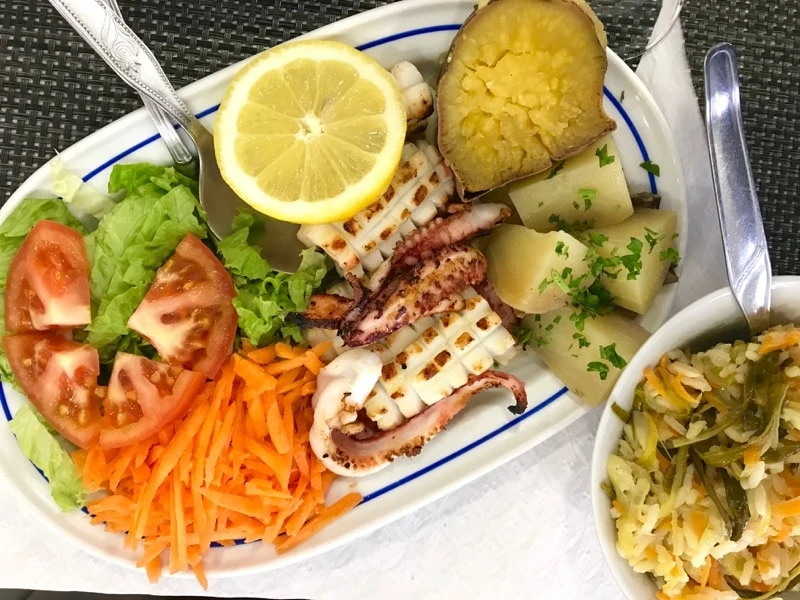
180,154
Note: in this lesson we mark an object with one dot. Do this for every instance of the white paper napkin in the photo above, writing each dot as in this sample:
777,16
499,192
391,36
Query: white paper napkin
523,531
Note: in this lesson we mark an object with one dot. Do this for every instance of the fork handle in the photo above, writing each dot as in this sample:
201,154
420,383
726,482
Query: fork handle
129,57
177,149
180,154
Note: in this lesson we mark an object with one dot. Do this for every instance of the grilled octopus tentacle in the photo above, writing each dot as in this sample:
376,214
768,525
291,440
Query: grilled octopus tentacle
345,455
440,233
416,293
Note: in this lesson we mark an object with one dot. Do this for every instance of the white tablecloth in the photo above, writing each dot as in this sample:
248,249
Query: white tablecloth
523,531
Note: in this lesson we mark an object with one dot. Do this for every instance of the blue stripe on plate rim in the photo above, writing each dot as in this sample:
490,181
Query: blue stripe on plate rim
482,440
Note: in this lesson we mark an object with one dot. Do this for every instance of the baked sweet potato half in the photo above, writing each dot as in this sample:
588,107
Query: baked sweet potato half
521,89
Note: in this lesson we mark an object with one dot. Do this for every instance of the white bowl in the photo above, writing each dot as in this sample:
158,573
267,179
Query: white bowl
690,327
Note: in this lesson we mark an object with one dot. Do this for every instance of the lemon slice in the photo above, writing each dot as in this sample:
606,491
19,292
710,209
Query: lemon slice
310,132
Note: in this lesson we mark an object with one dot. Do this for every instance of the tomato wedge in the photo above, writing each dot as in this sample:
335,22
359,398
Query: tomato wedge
59,377
144,396
48,281
187,313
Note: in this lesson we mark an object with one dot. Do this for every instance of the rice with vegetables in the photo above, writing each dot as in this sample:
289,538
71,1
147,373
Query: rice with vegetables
705,483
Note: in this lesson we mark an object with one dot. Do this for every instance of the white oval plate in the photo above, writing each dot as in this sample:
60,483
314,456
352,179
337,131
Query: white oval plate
482,437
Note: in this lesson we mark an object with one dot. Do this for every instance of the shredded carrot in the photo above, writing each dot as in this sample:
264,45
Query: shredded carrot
716,402
238,466
779,340
698,522
705,572
677,385
654,380
262,356
327,515
752,455
789,508
715,579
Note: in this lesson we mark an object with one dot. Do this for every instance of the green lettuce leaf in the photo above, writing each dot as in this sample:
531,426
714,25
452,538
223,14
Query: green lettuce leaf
12,233
264,296
82,196
39,444
131,242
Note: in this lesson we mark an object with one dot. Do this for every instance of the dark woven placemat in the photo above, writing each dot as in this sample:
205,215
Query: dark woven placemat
54,91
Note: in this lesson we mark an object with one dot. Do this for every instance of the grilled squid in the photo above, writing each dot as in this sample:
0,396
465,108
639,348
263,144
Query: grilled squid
351,456
342,388
417,95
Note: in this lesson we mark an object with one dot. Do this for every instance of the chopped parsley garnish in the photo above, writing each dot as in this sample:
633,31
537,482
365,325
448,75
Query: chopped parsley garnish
651,168
622,96
592,301
582,341
609,353
554,171
652,238
587,195
574,227
597,239
575,205
603,156
560,279
599,265
633,261
525,337
671,255
557,221
600,368
562,249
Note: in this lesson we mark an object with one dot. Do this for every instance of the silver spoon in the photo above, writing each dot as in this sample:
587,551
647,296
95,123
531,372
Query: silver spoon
743,237
130,58
181,155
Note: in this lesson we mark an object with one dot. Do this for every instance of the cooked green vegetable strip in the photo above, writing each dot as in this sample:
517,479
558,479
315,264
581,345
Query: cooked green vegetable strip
12,233
39,445
131,242
741,591
608,490
723,422
623,414
734,515
770,393
647,433
680,463
264,296
781,453
792,580
737,504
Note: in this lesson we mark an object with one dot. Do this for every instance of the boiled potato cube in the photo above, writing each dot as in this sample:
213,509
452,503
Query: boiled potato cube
580,191
655,230
587,362
522,263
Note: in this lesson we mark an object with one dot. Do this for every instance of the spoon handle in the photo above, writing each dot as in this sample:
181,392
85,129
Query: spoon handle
743,237
128,56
